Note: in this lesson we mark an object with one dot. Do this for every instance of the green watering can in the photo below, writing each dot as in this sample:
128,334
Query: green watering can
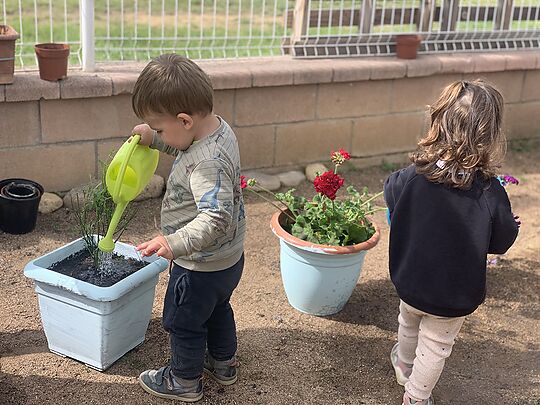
127,175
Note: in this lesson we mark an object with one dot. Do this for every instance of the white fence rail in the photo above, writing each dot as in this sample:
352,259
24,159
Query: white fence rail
119,30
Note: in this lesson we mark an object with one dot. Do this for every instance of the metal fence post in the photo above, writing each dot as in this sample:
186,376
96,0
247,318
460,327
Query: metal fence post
87,35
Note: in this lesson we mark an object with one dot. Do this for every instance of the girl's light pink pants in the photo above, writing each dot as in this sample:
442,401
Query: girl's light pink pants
425,341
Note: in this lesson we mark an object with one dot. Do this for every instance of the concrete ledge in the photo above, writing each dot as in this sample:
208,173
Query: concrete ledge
271,72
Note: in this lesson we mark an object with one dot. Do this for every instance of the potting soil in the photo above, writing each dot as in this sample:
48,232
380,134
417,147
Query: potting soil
81,266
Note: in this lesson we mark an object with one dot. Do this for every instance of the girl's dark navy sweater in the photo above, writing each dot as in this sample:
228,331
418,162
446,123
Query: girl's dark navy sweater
440,238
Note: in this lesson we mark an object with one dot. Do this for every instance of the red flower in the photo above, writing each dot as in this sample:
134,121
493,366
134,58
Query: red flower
328,184
340,156
243,182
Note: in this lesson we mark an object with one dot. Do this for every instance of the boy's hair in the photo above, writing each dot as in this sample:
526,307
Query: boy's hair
465,135
172,84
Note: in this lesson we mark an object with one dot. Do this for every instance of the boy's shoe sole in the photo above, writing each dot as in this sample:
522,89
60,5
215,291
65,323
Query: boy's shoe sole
196,398
219,380
400,377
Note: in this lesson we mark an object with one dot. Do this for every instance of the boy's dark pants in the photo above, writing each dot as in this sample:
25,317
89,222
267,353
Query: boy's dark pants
197,314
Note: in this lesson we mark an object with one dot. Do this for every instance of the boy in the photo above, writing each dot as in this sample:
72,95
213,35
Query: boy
203,224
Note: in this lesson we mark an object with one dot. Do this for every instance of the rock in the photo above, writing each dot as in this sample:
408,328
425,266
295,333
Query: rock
75,196
314,168
49,203
292,178
267,181
153,189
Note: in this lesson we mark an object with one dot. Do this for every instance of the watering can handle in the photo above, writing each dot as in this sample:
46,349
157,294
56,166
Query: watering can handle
132,145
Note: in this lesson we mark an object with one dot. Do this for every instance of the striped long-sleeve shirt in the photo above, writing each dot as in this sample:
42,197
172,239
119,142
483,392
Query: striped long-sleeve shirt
202,214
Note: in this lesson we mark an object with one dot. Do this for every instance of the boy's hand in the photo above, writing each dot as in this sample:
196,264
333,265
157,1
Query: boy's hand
146,133
158,245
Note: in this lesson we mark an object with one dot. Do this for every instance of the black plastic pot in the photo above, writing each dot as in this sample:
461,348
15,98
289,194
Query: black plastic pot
19,202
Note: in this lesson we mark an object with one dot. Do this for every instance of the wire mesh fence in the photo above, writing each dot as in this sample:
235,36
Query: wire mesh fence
140,29
369,27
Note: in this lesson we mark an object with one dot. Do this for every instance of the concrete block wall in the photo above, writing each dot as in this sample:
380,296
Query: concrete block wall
285,112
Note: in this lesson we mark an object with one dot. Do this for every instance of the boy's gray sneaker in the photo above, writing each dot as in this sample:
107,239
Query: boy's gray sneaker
164,384
408,401
403,370
224,372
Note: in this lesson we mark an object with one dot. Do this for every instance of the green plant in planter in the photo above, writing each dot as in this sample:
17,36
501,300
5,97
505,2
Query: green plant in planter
93,215
325,219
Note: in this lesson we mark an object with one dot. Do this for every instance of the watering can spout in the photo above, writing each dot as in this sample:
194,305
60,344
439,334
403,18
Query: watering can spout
127,175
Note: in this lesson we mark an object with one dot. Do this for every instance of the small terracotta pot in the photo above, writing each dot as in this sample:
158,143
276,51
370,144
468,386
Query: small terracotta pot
8,37
407,45
52,60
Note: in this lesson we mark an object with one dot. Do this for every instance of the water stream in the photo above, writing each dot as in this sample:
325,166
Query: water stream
105,268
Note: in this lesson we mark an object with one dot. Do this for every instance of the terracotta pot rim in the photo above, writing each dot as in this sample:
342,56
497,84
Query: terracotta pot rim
10,34
408,39
52,50
326,249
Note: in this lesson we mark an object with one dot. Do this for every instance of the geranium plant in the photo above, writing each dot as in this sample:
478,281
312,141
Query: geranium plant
325,219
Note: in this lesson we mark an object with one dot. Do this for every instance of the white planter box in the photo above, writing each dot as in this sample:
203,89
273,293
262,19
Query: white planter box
95,325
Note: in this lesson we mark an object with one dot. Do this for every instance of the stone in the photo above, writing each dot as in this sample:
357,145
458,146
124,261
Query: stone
153,189
50,202
268,181
313,169
292,178
77,195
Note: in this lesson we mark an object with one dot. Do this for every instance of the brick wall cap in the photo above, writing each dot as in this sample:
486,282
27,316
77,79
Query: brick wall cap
119,78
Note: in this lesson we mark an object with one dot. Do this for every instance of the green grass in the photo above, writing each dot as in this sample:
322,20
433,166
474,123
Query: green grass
187,32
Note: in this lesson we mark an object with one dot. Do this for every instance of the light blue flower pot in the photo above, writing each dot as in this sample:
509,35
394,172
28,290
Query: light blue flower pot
318,279
95,325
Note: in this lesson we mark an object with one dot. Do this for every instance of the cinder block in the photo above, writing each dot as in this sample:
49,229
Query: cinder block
522,60
84,119
509,83
531,86
415,94
165,165
226,77
224,104
311,141
388,68
491,62
257,146
122,82
85,86
268,105
423,66
2,93
520,122
353,99
456,63
312,71
106,149
29,87
19,124
271,74
55,167
386,133
352,70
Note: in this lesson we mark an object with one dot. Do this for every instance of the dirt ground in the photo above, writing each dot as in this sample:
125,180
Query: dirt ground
288,357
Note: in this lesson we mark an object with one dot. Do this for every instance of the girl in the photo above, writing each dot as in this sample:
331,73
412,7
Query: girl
448,211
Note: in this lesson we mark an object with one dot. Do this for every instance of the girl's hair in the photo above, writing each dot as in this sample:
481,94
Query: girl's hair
172,84
465,136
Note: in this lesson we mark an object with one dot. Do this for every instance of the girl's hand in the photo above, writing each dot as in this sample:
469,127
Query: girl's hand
146,133
518,221
158,245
